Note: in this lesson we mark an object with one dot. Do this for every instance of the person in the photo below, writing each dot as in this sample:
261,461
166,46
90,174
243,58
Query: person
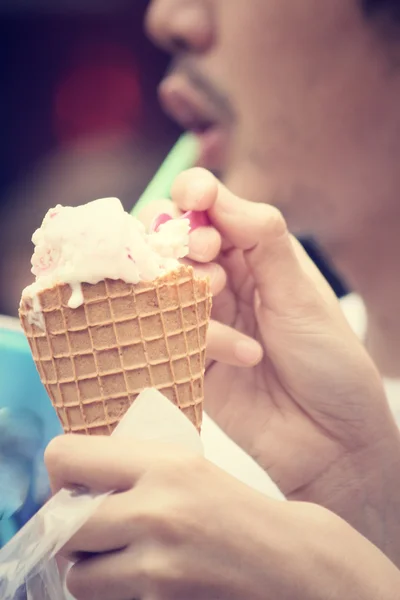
297,104
290,381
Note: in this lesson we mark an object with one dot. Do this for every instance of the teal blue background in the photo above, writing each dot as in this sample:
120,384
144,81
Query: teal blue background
21,388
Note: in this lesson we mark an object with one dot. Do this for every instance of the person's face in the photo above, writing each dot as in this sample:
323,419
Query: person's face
295,102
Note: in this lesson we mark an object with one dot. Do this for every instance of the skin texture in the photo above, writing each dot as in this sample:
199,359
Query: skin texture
307,88
310,405
306,95
306,401
163,535
311,408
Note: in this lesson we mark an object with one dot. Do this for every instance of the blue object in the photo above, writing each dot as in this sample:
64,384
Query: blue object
27,423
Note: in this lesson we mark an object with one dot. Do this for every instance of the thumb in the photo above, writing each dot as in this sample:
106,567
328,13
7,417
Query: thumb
288,282
284,274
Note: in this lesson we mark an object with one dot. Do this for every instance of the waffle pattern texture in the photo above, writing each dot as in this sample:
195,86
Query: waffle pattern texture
96,359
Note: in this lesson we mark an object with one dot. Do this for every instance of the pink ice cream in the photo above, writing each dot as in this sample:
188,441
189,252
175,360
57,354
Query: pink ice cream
99,240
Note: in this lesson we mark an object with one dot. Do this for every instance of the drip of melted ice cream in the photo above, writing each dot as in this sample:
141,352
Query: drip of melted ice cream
96,241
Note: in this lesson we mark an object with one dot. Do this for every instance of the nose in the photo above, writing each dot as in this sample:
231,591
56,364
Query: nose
179,25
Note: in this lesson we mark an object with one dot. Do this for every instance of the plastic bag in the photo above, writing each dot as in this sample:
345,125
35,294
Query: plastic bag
28,569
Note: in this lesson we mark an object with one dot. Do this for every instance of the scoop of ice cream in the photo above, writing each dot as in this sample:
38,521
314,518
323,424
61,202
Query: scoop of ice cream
99,240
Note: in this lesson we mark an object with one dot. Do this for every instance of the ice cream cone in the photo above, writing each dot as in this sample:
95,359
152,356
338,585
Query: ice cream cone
94,360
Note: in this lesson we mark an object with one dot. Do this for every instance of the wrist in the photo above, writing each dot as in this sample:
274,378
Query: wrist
364,489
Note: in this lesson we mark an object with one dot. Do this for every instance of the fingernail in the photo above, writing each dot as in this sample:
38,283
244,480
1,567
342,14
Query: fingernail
249,352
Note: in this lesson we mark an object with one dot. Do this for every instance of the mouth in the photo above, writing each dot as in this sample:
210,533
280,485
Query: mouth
195,113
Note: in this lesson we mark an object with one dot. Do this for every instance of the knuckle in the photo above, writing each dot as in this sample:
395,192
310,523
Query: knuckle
145,516
167,514
156,570
153,516
159,521
179,469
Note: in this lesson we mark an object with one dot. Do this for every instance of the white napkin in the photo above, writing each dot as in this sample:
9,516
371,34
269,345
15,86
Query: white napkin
27,563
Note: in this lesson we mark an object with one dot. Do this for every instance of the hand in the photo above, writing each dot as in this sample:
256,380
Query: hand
180,528
312,410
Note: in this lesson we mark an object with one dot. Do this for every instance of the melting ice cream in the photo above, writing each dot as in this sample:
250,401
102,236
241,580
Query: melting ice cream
99,240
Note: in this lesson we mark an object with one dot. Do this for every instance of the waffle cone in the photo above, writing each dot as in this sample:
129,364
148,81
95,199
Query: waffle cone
96,359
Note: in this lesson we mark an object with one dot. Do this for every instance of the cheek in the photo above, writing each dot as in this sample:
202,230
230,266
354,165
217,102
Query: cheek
314,113
309,203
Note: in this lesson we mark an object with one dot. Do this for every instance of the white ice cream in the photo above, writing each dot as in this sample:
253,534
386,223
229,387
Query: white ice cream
99,240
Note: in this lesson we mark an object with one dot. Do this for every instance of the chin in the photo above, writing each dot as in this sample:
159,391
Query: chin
300,208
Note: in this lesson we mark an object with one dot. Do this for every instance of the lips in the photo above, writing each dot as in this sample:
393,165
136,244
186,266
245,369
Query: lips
192,111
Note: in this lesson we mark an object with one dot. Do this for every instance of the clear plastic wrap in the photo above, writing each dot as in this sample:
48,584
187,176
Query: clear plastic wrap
28,568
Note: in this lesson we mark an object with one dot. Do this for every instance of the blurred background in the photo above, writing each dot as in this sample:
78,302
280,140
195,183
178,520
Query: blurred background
79,117
79,120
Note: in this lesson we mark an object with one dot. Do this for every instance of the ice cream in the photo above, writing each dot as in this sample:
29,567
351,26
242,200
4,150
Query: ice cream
112,312
99,240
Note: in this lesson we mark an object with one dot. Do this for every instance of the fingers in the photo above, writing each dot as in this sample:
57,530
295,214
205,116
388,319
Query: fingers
240,222
204,244
106,577
195,189
110,528
281,273
213,271
77,460
232,347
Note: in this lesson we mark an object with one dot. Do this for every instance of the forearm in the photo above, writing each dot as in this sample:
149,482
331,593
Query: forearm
364,489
